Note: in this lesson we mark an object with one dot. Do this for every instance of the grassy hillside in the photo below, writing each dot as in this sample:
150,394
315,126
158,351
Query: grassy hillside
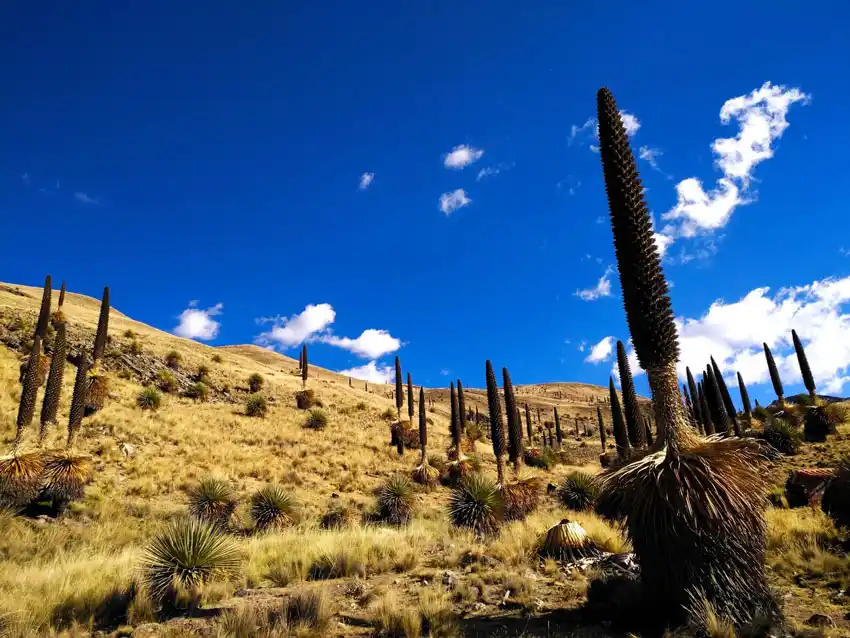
78,573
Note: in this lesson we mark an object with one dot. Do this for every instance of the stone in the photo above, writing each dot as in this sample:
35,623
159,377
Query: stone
450,579
128,450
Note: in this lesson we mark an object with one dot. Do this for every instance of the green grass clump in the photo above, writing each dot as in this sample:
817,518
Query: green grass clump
782,436
173,359
187,553
149,398
578,491
317,419
198,390
165,381
212,501
476,504
395,500
273,507
256,405
216,358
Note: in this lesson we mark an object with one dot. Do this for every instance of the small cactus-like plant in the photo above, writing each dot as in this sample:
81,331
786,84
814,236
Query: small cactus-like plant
213,501
395,500
273,507
477,504
149,398
256,405
255,382
578,491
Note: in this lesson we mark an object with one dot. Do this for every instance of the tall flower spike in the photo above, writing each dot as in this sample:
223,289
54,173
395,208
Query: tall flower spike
497,428
410,398
461,407
29,393
62,296
745,399
102,327
399,388
78,399
514,427
621,437
805,370
423,424
728,405
53,391
601,423
44,312
649,312
774,375
697,405
631,408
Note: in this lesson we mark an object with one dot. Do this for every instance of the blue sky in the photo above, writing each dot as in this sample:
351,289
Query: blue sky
419,178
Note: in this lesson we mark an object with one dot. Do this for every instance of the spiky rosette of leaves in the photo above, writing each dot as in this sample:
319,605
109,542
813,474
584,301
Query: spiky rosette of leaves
497,427
426,474
774,374
520,497
187,553
697,520
273,507
567,541
621,437
645,294
782,436
514,426
728,405
29,392
805,370
44,311
399,388
817,424
78,398
213,501
631,408
477,504
395,500
53,391
65,475
20,479
578,491
745,398
102,327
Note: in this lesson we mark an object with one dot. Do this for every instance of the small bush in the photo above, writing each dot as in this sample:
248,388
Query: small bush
149,398
817,425
125,374
542,458
309,609
187,553
477,504
578,491
256,405
129,334
173,359
166,382
273,507
134,347
305,399
216,358
361,405
317,419
337,517
395,500
781,436
520,498
838,413
255,382
212,501
198,391
388,414
203,374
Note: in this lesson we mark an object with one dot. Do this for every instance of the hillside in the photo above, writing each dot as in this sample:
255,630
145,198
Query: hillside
77,573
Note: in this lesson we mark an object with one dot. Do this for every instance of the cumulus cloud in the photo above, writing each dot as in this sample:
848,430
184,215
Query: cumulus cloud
296,329
371,372
365,180
601,289
733,334
451,201
462,156
196,323
371,343
761,117
601,351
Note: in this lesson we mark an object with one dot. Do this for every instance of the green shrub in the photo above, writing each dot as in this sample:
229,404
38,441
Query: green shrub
388,414
578,491
129,334
476,504
255,382
256,405
173,359
317,419
212,501
203,374
149,398
198,391
165,381
395,500
838,413
187,553
273,507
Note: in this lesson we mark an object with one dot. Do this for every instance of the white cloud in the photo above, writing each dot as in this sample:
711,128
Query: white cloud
451,201
601,351
85,199
365,180
630,122
199,324
733,334
462,156
445,373
295,330
582,346
602,288
762,119
650,156
492,171
371,344
371,372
